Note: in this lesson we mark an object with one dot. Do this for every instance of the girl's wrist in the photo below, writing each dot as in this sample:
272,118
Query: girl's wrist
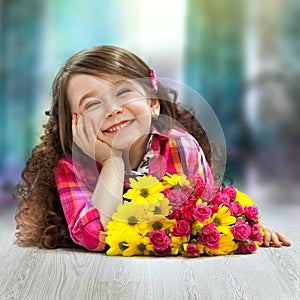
113,160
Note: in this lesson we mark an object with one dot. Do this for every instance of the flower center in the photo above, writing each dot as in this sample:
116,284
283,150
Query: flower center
157,210
217,222
144,193
157,225
132,220
141,247
123,246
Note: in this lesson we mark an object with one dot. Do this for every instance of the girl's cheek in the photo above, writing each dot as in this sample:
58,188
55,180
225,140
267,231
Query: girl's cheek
96,119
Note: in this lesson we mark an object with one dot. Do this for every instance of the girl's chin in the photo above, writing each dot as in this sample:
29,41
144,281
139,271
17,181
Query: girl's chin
124,143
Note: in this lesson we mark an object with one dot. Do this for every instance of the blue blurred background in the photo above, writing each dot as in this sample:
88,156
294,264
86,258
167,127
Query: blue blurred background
241,56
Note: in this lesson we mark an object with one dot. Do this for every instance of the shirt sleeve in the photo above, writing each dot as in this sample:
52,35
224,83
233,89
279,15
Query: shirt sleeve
82,217
193,160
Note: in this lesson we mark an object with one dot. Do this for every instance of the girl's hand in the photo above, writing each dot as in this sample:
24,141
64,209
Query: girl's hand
274,237
85,137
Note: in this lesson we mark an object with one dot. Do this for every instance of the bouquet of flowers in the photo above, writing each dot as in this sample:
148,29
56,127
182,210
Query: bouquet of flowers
177,216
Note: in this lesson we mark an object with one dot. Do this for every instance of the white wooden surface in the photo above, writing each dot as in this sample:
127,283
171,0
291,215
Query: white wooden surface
270,273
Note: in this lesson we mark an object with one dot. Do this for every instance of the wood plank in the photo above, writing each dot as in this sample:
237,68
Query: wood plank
270,273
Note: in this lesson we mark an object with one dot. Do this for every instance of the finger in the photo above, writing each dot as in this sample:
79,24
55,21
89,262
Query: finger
275,240
74,123
281,238
89,128
80,126
102,138
267,238
100,135
80,137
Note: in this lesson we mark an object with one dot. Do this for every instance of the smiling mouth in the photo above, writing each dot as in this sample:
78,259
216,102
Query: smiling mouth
118,127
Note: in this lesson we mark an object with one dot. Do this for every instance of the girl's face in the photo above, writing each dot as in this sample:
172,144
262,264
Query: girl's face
118,108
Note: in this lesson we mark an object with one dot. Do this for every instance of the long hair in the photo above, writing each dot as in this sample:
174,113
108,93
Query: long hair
39,218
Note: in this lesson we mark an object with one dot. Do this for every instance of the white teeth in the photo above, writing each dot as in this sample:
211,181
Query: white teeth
115,128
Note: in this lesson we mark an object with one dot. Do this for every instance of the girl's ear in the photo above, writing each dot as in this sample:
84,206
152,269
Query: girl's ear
155,108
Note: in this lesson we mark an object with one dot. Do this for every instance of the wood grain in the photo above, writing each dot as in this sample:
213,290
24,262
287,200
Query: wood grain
29,273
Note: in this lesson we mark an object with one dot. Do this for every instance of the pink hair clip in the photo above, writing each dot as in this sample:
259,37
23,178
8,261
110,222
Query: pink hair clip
154,80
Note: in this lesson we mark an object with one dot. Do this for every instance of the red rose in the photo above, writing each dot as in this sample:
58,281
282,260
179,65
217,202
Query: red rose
202,212
255,233
251,213
210,236
214,208
241,230
187,212
235,208
181,228
208,228
159,240
200,187
220,198
176,215
193,200
230,191
247,247
192,250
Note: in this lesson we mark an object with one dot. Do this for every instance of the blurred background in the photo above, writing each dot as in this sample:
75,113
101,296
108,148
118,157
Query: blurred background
241,56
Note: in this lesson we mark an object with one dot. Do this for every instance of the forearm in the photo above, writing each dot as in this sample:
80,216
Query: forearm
108,193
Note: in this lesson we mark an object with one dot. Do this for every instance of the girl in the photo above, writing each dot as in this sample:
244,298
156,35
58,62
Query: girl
110,119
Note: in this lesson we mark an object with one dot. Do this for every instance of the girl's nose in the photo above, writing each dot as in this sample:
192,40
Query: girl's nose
116,111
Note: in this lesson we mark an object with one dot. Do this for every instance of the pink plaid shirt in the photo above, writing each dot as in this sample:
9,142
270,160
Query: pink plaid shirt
175,152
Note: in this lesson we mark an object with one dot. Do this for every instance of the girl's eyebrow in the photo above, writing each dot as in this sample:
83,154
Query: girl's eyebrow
123,81
84,97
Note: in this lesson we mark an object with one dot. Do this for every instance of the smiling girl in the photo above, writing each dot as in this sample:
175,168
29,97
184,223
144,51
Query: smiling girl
110,119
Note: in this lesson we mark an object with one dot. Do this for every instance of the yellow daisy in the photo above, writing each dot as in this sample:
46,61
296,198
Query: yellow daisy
156,210
170,180
129,212
243,198
223,219
144,189
163,207
226,245
124,242
176,244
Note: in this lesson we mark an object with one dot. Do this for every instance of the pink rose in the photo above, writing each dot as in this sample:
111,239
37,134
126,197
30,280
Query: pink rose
187,190
175,197
210,236
255,233
208,228
241,230
159,240
230,191
235,208
192,250
187,212
181,228
251,213
247,247
207,194
202,212
220,198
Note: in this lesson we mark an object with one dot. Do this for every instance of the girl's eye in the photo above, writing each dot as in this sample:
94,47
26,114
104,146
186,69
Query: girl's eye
92,103
123,91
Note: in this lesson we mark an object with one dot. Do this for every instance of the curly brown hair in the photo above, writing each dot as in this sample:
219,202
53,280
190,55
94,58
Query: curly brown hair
39,218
